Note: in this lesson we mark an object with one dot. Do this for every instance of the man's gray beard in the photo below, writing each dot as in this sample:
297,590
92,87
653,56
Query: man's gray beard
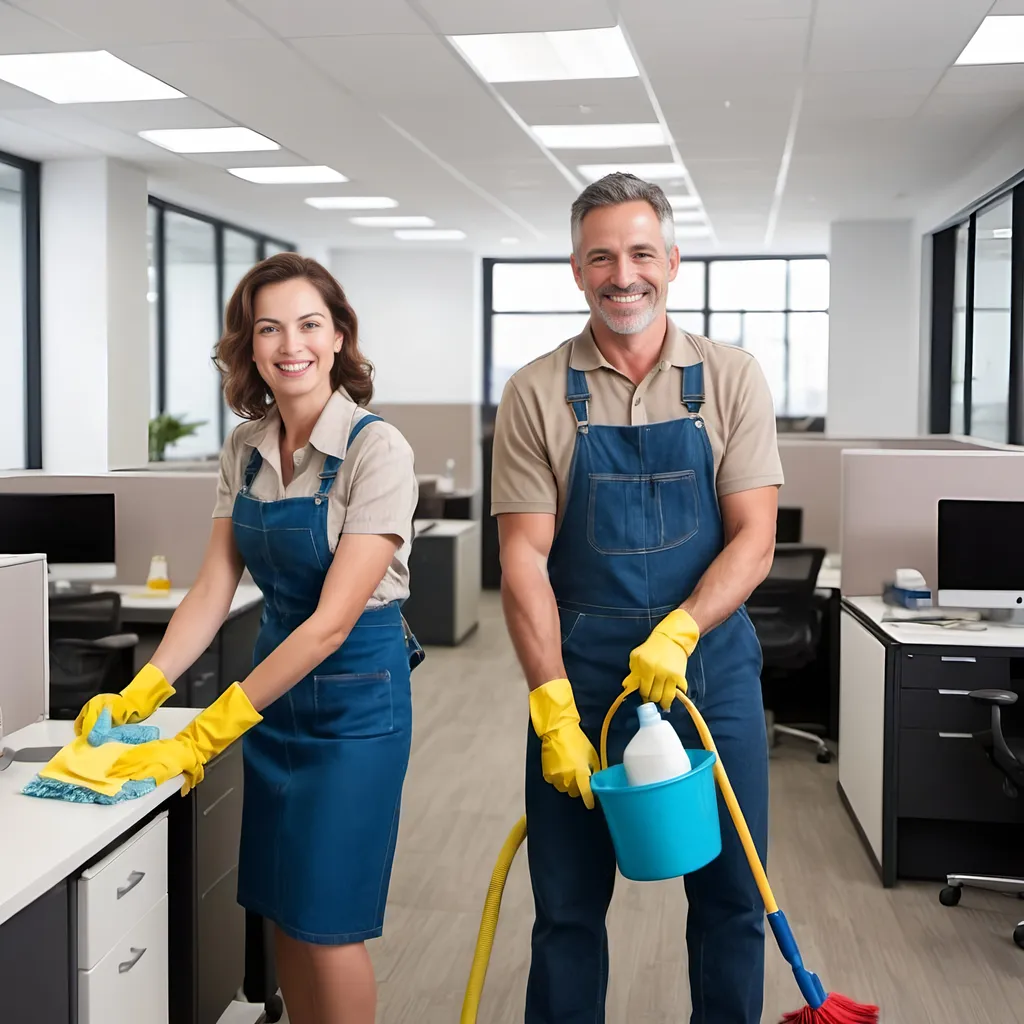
628,325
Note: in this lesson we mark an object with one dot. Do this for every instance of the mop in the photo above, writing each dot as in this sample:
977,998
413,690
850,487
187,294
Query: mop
77,773
822,1007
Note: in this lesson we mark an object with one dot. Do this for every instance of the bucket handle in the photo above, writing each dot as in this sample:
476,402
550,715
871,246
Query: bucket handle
724,785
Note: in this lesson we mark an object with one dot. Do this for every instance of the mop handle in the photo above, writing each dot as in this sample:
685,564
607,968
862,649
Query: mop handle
724,785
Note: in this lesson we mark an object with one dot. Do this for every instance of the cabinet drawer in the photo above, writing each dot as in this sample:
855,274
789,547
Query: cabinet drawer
947,775
219,818
954,672
116,892
129,985
942,711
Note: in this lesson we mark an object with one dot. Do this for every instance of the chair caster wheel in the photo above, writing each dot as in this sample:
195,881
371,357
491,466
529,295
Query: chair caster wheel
1018,935
950,897
824,757
274,1009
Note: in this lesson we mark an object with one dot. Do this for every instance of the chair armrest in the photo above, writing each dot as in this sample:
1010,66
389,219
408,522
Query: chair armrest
117,641
994,698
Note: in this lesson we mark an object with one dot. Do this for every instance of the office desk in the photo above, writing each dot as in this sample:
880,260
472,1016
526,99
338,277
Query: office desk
229,656
444,580
64,868
917,785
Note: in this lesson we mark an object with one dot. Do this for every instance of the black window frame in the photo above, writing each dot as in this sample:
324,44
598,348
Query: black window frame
942,312
219,225
489,409
33,383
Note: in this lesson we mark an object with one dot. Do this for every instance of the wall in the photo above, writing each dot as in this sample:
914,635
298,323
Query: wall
95,318
420,325
873,373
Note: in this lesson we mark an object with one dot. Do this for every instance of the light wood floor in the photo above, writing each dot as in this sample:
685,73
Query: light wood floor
921,962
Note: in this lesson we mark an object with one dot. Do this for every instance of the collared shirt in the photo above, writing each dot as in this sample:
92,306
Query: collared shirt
375,490
535,429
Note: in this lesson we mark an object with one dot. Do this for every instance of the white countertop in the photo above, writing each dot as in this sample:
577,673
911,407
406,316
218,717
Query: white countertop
444,527
829,579
995,634
135,597
44,841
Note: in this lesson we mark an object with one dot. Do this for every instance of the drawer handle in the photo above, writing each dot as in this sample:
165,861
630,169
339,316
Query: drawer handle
126,965
956,736
223,795
969,661
133,880
955,693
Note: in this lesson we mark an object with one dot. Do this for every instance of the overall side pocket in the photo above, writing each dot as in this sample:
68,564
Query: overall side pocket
353,705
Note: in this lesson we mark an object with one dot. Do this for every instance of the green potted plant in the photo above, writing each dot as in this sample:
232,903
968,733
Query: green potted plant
165,430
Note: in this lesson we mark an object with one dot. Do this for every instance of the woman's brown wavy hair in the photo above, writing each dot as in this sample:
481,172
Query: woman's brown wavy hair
245,391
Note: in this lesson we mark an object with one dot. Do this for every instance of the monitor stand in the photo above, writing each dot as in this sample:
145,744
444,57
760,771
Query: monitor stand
69,588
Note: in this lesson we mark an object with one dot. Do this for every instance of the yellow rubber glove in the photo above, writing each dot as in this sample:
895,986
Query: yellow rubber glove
658,665
210,732
567,757
138,700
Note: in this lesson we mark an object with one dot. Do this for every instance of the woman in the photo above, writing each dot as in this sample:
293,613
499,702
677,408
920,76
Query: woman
316,500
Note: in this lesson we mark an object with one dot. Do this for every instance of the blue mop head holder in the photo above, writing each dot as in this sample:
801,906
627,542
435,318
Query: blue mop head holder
810,986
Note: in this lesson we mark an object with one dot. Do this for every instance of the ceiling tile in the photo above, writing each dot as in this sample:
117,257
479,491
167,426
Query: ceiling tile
33,142
471,17
142,116
536,102
983,79
295,19
20,32
113,23
1008,7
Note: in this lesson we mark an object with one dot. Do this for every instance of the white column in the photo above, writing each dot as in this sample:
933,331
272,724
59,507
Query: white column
95,318
874,339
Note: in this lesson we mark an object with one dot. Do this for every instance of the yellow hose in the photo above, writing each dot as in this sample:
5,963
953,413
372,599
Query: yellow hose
489,922
492,905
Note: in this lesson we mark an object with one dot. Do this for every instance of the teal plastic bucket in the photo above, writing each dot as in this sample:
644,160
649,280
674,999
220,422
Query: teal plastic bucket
665,829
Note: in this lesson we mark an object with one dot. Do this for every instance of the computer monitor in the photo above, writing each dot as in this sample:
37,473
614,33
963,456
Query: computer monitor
981,554
789,526
74,531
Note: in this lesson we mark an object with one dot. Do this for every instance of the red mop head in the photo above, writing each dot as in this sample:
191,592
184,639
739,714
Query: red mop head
836,1009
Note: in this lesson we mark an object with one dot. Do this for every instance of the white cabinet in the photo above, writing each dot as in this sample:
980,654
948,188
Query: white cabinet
122,932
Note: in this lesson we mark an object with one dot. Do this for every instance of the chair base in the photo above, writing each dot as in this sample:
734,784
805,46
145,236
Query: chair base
774,731
1008,886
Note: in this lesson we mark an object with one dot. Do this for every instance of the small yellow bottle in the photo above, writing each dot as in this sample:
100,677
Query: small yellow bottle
158,578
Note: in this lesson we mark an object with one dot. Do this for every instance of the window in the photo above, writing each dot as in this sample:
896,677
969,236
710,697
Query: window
977,323
195,263
775,308
21,407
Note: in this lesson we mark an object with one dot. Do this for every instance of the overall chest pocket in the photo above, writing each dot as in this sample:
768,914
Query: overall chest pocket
641,514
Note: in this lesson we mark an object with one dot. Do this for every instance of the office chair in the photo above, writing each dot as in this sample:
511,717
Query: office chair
1007,754
88,652
787,618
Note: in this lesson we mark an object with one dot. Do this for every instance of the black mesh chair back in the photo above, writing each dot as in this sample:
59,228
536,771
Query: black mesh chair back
84,616
783,609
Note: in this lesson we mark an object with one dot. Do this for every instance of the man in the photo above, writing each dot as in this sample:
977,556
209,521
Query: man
635,477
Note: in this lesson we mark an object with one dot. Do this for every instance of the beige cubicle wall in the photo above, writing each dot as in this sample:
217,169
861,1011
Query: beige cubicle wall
157,514
890,501
812,467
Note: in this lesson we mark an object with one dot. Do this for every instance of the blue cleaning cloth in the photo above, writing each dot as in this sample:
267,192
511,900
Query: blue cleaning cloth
102,732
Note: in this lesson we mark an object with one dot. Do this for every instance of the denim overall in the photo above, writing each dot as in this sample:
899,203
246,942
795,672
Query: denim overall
641,526
324,769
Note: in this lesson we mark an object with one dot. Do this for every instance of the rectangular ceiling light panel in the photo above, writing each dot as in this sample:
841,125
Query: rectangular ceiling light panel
209,140
314,175
548,56
600,136
87,76
649,172
352,202
999,40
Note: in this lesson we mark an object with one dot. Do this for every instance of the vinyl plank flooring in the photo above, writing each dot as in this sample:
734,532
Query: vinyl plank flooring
921,962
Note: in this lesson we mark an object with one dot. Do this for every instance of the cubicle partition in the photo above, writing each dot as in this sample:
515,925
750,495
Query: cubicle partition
157,514
813,472
889,502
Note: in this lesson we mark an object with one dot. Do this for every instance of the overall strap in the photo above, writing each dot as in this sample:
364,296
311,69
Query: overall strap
577,394
332,463
251,469
693,387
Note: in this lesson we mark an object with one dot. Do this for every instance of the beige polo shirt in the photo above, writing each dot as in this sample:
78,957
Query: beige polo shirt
535,428
375,490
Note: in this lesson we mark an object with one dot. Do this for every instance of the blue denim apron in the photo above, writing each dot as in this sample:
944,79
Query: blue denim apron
641,526
324,769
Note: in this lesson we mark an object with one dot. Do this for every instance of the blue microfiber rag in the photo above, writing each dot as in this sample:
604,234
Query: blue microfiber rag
74,760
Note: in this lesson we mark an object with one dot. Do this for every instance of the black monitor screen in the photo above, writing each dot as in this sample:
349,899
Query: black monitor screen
981,545
71,529
789,526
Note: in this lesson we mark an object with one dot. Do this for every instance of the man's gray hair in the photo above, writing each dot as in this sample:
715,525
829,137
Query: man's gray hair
620,187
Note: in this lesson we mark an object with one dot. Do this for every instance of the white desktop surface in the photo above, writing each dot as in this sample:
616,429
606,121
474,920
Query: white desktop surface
44,841
829,578
443,527
995,634
135,597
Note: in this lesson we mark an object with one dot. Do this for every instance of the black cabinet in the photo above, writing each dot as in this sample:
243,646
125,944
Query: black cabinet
35,962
